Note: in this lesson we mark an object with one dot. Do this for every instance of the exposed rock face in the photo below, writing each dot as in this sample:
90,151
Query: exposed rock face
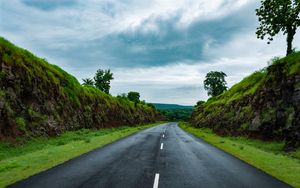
37,98
272,111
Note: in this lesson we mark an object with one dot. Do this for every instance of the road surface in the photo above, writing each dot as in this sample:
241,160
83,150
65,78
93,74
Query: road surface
163,156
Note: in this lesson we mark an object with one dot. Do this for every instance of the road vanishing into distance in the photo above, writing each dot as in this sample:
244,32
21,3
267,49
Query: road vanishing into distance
163,156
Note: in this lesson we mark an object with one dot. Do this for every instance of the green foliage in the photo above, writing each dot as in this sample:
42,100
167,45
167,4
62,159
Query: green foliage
177,114
291,64
88,82
122,96
151,105
251,107
134,96
215,83
21,122
102,80
2,93
200,103
278,16
54,93
247,86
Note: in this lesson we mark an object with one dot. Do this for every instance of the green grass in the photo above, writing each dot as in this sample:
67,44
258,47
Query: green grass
267,156
25,158
250,84
54,86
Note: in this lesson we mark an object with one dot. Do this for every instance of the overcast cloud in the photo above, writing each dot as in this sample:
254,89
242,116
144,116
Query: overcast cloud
159,48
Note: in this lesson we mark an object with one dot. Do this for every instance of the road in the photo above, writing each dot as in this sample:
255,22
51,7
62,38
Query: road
163,156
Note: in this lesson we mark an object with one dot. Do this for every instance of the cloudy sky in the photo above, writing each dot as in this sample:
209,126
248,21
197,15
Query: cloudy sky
160,48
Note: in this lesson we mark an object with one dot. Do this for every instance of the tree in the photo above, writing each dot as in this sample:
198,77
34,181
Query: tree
278,15
215,83
151,105
122,96
200,103
88,82
102,80
134,96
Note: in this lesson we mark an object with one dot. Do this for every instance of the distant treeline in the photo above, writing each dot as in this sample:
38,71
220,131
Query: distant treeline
177,113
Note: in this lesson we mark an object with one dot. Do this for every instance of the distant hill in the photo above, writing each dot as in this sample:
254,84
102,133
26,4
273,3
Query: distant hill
170,106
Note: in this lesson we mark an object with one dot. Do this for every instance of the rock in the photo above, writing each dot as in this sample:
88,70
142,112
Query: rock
255,124
296,97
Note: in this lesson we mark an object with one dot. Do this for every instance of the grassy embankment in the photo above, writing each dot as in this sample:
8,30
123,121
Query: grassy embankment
264,104
39,98
265,155
21,160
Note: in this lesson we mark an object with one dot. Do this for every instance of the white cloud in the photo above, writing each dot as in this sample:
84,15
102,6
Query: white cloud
44,32
182,83
94,19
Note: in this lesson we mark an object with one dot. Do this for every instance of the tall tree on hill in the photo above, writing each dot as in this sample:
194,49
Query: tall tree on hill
102,80
278,15
134,96
215,83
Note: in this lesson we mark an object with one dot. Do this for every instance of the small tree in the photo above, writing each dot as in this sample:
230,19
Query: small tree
134,96
215,83
122,96
151,105
278,15
102,80
200,103
88,82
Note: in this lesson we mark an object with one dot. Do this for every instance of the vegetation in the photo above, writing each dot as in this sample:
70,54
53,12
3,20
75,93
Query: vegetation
102,80
162,106
88,82
134,96
28,157
42,99
252,106
177,114
278,16
215,83
264,155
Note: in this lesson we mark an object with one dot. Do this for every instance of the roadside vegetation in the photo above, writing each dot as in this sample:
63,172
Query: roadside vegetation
101,80
265,155
263,105
215,83
24,158
38,98
177,114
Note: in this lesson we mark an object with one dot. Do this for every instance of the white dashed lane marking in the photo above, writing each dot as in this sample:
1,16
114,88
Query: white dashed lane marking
156,180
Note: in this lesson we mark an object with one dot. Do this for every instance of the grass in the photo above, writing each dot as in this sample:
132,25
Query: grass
267,156
26,158
54,86
250,84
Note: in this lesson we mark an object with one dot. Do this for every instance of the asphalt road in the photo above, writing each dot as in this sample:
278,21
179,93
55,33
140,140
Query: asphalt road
163,156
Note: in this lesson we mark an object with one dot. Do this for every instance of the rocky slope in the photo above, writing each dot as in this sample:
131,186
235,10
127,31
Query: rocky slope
265,105
37,98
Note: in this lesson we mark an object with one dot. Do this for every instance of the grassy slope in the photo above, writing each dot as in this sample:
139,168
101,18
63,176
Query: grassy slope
261,96
250,84
20,161
36,93
267,156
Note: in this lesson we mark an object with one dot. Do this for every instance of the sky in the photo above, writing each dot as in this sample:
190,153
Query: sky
160,48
